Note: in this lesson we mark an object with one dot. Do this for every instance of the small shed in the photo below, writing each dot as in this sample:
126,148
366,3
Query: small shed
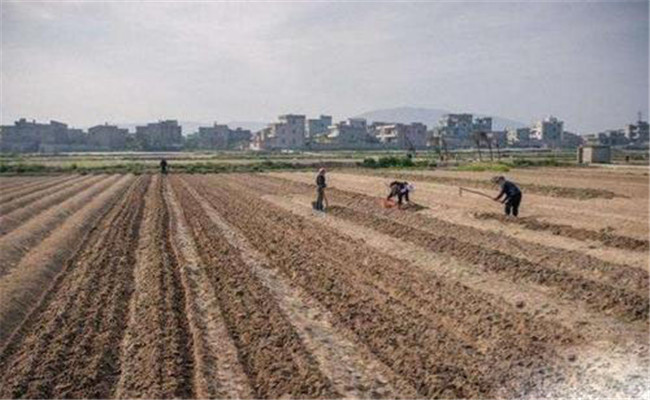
594,153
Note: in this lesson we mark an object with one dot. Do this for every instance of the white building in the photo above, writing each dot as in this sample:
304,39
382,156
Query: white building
518,136
353,130
549,131
404,136
289,133
592,153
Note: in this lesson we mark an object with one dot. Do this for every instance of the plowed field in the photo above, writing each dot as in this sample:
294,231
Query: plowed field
230,286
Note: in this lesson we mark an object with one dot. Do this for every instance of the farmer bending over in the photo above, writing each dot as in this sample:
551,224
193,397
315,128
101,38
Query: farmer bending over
512,195
401,190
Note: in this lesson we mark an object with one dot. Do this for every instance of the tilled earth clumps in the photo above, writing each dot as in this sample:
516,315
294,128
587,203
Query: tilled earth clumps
189,286
602,236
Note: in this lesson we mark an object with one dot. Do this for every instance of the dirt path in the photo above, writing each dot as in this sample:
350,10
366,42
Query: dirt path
23,286
68,348
12,220
350,367
217,371
17,243
609,364
156,352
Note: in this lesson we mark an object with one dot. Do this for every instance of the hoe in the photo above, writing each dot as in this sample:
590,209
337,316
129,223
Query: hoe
462,189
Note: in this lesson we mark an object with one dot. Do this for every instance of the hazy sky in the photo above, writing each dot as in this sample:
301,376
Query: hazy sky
86,63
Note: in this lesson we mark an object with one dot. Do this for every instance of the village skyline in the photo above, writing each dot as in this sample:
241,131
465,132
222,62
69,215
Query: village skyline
87,62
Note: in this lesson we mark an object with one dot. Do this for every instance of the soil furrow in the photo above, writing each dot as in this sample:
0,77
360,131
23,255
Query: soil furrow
9,185
22,183
30,199
271,352
16,244
544,190
624,215
70,350
28,192
606,338
21,289
598,295
217,372
349,366
439,364
156,352
14,219
618,275
606,238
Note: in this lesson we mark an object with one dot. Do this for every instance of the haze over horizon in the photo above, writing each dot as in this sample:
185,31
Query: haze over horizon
87,63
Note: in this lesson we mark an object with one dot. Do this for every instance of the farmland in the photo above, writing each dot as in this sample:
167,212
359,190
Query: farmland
229,285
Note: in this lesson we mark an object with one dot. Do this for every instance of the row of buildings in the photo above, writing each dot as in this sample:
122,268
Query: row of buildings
293,131
463,130
296,132
633,135
33,137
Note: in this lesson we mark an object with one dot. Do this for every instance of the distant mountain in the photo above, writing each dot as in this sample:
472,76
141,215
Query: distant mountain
428,116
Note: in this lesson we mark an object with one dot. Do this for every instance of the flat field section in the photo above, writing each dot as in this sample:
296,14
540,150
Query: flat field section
231,286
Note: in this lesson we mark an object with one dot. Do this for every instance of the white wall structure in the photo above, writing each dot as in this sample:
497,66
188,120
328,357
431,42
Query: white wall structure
289,133
549,131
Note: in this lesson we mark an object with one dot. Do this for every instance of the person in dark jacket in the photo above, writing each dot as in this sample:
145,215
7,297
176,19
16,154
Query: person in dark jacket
163,166
400,190
320,190
510,193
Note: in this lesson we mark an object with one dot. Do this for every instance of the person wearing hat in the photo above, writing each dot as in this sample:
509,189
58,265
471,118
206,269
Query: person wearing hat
320,190
400,190
510,193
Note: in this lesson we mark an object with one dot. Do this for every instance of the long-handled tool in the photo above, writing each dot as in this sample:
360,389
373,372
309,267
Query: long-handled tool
462,189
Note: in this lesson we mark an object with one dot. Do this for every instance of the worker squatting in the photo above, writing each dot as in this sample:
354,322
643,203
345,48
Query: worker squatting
509,195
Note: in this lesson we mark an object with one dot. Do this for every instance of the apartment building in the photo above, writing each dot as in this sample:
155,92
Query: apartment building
318,126
288,133
160,136
107,137
352,130
549,131
403,135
